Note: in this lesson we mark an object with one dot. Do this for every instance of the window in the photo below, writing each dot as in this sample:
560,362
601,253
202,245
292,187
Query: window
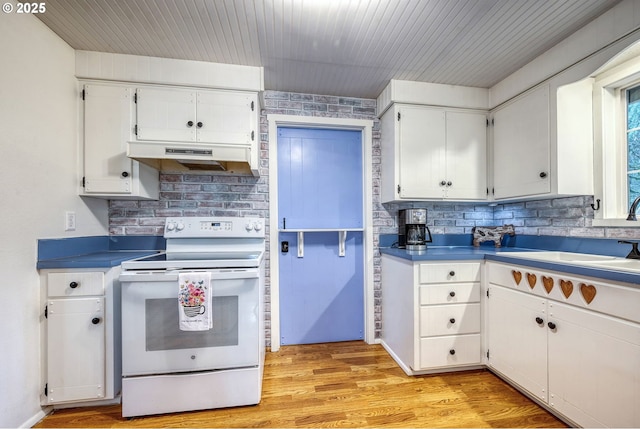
633,143
616,108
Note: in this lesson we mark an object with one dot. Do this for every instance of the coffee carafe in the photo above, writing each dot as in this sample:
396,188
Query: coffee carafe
413,229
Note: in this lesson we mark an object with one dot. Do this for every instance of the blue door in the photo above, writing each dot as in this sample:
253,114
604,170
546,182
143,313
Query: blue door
320,187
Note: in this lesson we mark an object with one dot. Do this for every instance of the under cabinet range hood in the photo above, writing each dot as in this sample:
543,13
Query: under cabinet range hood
232,158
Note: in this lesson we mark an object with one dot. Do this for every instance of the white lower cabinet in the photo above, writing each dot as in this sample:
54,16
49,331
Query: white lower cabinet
80,336
572,342
431,314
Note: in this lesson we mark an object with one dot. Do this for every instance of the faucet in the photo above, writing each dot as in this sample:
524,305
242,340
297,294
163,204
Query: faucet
635,253
632,209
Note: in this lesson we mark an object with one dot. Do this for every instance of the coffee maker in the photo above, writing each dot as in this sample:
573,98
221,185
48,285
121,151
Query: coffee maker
413,229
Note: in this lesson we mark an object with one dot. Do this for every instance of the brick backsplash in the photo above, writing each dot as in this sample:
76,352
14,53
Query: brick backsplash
220,194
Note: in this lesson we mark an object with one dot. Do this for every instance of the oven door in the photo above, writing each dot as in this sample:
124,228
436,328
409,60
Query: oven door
152,342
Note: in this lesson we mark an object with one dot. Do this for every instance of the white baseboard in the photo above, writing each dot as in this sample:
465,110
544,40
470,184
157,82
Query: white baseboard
36,418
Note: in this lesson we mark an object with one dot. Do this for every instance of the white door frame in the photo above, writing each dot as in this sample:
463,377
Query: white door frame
365,126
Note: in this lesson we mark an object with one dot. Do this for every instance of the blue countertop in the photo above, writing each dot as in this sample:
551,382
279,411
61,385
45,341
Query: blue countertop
95,252
502,254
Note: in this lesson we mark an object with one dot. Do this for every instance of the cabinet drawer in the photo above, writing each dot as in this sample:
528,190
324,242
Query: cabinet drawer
450,351
450,272
450,294
449,319
75,283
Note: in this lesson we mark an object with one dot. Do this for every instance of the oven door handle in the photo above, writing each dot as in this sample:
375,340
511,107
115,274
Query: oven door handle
231,274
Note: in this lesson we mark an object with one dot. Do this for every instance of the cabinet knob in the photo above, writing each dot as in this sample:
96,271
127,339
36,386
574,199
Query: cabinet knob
543,174
452,273
452,352
125,174
452,294
452,320
449,183
443,183
199,124
95,320
539,320
190,124
73,285
551,325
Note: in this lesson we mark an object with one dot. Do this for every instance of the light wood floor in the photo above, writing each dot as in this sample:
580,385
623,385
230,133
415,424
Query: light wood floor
348,384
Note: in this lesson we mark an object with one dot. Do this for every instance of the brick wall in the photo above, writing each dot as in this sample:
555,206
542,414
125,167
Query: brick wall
219,194
566,217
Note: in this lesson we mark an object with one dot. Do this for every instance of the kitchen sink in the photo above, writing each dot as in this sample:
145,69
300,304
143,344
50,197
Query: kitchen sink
569,257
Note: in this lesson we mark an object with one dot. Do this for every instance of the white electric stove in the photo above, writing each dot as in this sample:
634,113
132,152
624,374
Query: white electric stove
166,369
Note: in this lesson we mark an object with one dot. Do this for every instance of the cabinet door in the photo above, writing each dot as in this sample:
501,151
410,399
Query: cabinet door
75,349
521,146
108,124
594,362
517,343
466,156
226,117
422,152
167,114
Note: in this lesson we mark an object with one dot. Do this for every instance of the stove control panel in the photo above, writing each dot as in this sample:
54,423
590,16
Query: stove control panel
195,227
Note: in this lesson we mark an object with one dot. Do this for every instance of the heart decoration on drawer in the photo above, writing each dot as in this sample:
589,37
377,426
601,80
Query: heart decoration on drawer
588,292
531,278
567,287
547,282
517,276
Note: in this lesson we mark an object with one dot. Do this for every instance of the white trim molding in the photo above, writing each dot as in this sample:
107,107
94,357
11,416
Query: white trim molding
366,126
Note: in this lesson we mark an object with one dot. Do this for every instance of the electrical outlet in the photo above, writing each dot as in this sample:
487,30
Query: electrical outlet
70,221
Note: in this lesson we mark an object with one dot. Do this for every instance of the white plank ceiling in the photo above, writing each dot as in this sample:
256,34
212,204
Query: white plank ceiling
331,47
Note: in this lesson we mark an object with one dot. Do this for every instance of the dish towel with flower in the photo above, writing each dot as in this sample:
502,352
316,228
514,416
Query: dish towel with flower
194,301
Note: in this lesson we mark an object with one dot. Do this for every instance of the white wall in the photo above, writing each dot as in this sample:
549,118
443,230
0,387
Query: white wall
38,143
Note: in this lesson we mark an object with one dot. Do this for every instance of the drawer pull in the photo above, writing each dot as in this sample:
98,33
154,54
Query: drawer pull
551,325
452,294
452,320
73,285
452,273
452,352
539,320
95,320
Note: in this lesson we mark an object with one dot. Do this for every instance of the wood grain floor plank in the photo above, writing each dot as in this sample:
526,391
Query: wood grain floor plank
350,384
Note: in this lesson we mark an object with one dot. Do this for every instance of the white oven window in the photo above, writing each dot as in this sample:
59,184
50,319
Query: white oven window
163,333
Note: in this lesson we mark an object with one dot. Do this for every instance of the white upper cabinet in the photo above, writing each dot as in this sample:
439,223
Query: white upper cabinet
466,155
431,153
197,116
543,143
521,146
108,125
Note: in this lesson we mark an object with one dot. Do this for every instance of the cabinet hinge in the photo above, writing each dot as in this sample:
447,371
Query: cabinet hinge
487,293
398,115
135,97
252,106
46,311
492,122
135,129
487,354
82,94
46,389
487,122
398,189
487,191
253,134
493,191
83,181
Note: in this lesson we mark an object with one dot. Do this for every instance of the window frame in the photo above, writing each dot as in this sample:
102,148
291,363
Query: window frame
610,141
